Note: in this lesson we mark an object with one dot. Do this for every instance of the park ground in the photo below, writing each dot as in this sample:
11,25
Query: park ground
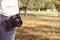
39,28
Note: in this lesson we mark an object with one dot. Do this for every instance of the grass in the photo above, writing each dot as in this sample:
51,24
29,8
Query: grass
39,28
41,13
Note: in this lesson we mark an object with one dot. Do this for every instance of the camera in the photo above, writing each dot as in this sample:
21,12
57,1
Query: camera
13,21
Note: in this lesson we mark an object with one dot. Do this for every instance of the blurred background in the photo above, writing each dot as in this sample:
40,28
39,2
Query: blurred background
41,20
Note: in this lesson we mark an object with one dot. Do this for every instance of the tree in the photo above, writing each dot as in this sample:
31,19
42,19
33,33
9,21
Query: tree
24,3
38,4
57,5
27,1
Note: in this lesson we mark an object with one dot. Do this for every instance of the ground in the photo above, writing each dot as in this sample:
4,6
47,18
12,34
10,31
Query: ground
39,28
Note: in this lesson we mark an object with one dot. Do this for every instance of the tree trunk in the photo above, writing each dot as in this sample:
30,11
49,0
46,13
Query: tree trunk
26,7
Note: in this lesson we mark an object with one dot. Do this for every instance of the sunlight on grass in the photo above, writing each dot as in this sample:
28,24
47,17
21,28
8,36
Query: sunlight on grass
41,13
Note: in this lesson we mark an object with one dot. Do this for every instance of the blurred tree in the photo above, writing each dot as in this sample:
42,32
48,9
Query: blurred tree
57,5
24,4
37,3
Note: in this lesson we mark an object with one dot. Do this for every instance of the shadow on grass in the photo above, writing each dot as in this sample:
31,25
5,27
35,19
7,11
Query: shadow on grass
23,33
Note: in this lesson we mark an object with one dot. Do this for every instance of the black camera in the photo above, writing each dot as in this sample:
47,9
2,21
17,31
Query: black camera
13,21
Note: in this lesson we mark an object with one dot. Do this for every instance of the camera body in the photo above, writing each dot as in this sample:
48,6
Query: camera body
13,21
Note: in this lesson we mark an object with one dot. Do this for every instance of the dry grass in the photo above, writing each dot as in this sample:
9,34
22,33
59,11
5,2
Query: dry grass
39,28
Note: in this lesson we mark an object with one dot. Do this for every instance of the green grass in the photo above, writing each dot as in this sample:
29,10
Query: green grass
41,13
